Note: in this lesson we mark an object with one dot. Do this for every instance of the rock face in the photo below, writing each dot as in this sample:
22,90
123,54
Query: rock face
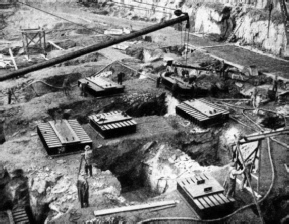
213,18
254,31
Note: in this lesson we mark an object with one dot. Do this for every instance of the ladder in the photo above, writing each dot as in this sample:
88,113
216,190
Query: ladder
230,37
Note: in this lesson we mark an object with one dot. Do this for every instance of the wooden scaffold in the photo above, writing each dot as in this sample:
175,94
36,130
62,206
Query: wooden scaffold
34,41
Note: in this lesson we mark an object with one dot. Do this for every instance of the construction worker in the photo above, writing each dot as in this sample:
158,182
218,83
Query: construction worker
66,86
10,95
84,89
275,84
83,192
252,99
158,81
87,158
230,183
222,69
247,174
120,77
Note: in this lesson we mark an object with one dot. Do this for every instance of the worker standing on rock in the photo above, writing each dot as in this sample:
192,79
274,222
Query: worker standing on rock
120,77
9,95
87,157
84,89
230,183
66,86
83,192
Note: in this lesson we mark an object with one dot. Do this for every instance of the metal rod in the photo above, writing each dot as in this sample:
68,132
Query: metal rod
93,48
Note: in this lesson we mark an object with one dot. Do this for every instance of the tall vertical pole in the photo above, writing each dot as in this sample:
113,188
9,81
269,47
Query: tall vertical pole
259,166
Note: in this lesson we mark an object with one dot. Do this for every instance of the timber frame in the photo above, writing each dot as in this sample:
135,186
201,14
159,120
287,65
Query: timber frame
34,39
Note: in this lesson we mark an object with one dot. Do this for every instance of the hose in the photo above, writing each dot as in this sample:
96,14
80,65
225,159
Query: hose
240,209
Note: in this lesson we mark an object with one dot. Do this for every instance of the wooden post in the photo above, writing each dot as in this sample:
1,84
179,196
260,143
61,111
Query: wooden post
259,167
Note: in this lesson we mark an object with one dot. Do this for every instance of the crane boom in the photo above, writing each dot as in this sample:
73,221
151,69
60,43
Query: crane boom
93,48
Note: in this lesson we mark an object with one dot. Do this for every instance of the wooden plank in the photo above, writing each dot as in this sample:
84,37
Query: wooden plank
134,122
118,125
20,215
56,46
200,206
208,201
107,127
204,203
224,198
121,124
13,59
114,126
218,199
110,126
133,207
213,200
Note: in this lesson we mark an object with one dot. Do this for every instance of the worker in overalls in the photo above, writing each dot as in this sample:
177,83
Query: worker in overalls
230,183
87,158
83,192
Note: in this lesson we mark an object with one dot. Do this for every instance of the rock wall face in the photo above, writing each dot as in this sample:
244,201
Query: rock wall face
255,32
211,20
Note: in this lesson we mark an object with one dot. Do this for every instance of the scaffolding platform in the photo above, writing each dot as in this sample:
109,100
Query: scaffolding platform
112,124
63,136
100,86
205,195
202,112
